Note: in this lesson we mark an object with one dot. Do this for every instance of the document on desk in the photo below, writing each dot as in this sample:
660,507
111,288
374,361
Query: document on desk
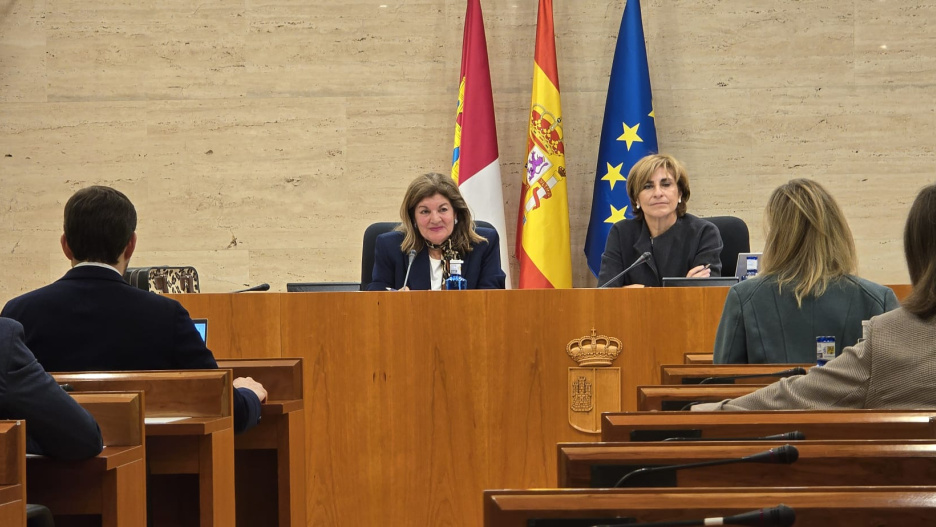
162,420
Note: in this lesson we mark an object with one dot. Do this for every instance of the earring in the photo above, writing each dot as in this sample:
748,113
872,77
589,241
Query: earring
456,221
679,201
637,207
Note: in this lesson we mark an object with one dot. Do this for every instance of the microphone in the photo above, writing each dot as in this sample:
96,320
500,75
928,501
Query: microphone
779,516
643,258
783,455
724,380
796,435
409,265
261,287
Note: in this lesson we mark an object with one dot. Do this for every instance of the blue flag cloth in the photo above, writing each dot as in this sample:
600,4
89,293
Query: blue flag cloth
627,134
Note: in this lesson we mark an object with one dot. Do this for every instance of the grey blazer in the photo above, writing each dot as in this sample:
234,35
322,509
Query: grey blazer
893,368
691,241
762,325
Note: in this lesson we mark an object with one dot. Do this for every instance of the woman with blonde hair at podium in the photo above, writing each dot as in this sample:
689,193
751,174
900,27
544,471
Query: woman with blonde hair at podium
806,294
892,366
437,229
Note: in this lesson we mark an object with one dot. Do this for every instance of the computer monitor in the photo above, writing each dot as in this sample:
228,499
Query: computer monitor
741,268
201,325
307,287
710,281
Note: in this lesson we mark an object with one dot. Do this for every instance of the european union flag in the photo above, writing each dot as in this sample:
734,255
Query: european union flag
627,134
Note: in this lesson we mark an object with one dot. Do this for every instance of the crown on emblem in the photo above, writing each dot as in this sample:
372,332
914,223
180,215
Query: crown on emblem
594,349
547,129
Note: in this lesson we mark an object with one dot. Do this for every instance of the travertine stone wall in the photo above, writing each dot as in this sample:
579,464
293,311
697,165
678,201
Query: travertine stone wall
258,139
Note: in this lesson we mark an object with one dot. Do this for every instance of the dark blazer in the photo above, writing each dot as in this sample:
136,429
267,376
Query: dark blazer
691,241
56,425
481,267
91,320
761,324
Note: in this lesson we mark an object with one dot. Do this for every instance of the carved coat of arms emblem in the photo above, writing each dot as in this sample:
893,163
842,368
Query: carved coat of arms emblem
594,386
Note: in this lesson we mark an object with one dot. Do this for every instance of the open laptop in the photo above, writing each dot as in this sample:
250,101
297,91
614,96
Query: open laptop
306,287
709,281
744,261
201,325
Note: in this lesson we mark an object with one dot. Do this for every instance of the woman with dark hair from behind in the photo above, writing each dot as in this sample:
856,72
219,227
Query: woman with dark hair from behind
436,228
900,344
806,287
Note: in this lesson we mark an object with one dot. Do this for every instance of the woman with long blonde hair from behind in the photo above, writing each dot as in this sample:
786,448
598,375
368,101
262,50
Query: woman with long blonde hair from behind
806,287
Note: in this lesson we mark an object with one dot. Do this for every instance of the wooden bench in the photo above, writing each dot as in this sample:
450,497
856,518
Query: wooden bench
111,485
190,459
818,424
696,373
698,358
13,473
676,397
820,463
269,465
827,506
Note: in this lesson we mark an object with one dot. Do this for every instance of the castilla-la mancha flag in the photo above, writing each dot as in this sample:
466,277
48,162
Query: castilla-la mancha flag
543,223
475,162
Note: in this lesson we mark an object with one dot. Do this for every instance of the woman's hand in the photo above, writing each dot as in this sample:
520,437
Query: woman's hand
700,271
635,285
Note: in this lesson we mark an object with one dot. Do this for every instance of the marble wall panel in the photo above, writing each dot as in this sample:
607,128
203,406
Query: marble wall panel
277,130
22,51
749,44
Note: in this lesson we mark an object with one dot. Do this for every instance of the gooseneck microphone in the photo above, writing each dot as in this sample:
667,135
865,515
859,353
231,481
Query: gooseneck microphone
409,265
796,435
261,287
643,258
783,455
724,380
779,516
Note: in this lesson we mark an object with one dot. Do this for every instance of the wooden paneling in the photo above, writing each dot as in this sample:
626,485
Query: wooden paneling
416,402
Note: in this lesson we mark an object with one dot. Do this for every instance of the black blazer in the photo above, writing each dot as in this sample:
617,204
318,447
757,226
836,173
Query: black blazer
691,241
92,320
56,425
481,267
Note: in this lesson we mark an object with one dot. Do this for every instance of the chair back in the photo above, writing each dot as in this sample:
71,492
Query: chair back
370,240
736,239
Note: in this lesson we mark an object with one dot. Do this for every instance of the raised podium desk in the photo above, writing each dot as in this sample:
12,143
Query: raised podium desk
415,402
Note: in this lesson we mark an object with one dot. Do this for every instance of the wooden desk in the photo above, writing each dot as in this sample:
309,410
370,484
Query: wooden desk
416,402
698,358
272,488
819,424
13,473
695,373
200,445
828,507
675,397
820,464
111,485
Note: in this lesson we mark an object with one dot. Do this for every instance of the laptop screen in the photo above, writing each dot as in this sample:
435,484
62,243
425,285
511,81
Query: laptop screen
747,262
201,324
711,281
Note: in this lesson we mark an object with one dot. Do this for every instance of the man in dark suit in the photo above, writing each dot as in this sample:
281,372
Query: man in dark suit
91,319
56,425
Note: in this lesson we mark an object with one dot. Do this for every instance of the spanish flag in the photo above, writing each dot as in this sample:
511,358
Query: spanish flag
543,246
475,161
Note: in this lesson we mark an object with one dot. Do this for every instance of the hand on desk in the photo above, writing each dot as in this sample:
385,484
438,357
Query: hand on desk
635,285
700,271
252,385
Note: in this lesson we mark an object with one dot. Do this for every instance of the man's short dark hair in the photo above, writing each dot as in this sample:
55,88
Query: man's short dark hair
99,222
